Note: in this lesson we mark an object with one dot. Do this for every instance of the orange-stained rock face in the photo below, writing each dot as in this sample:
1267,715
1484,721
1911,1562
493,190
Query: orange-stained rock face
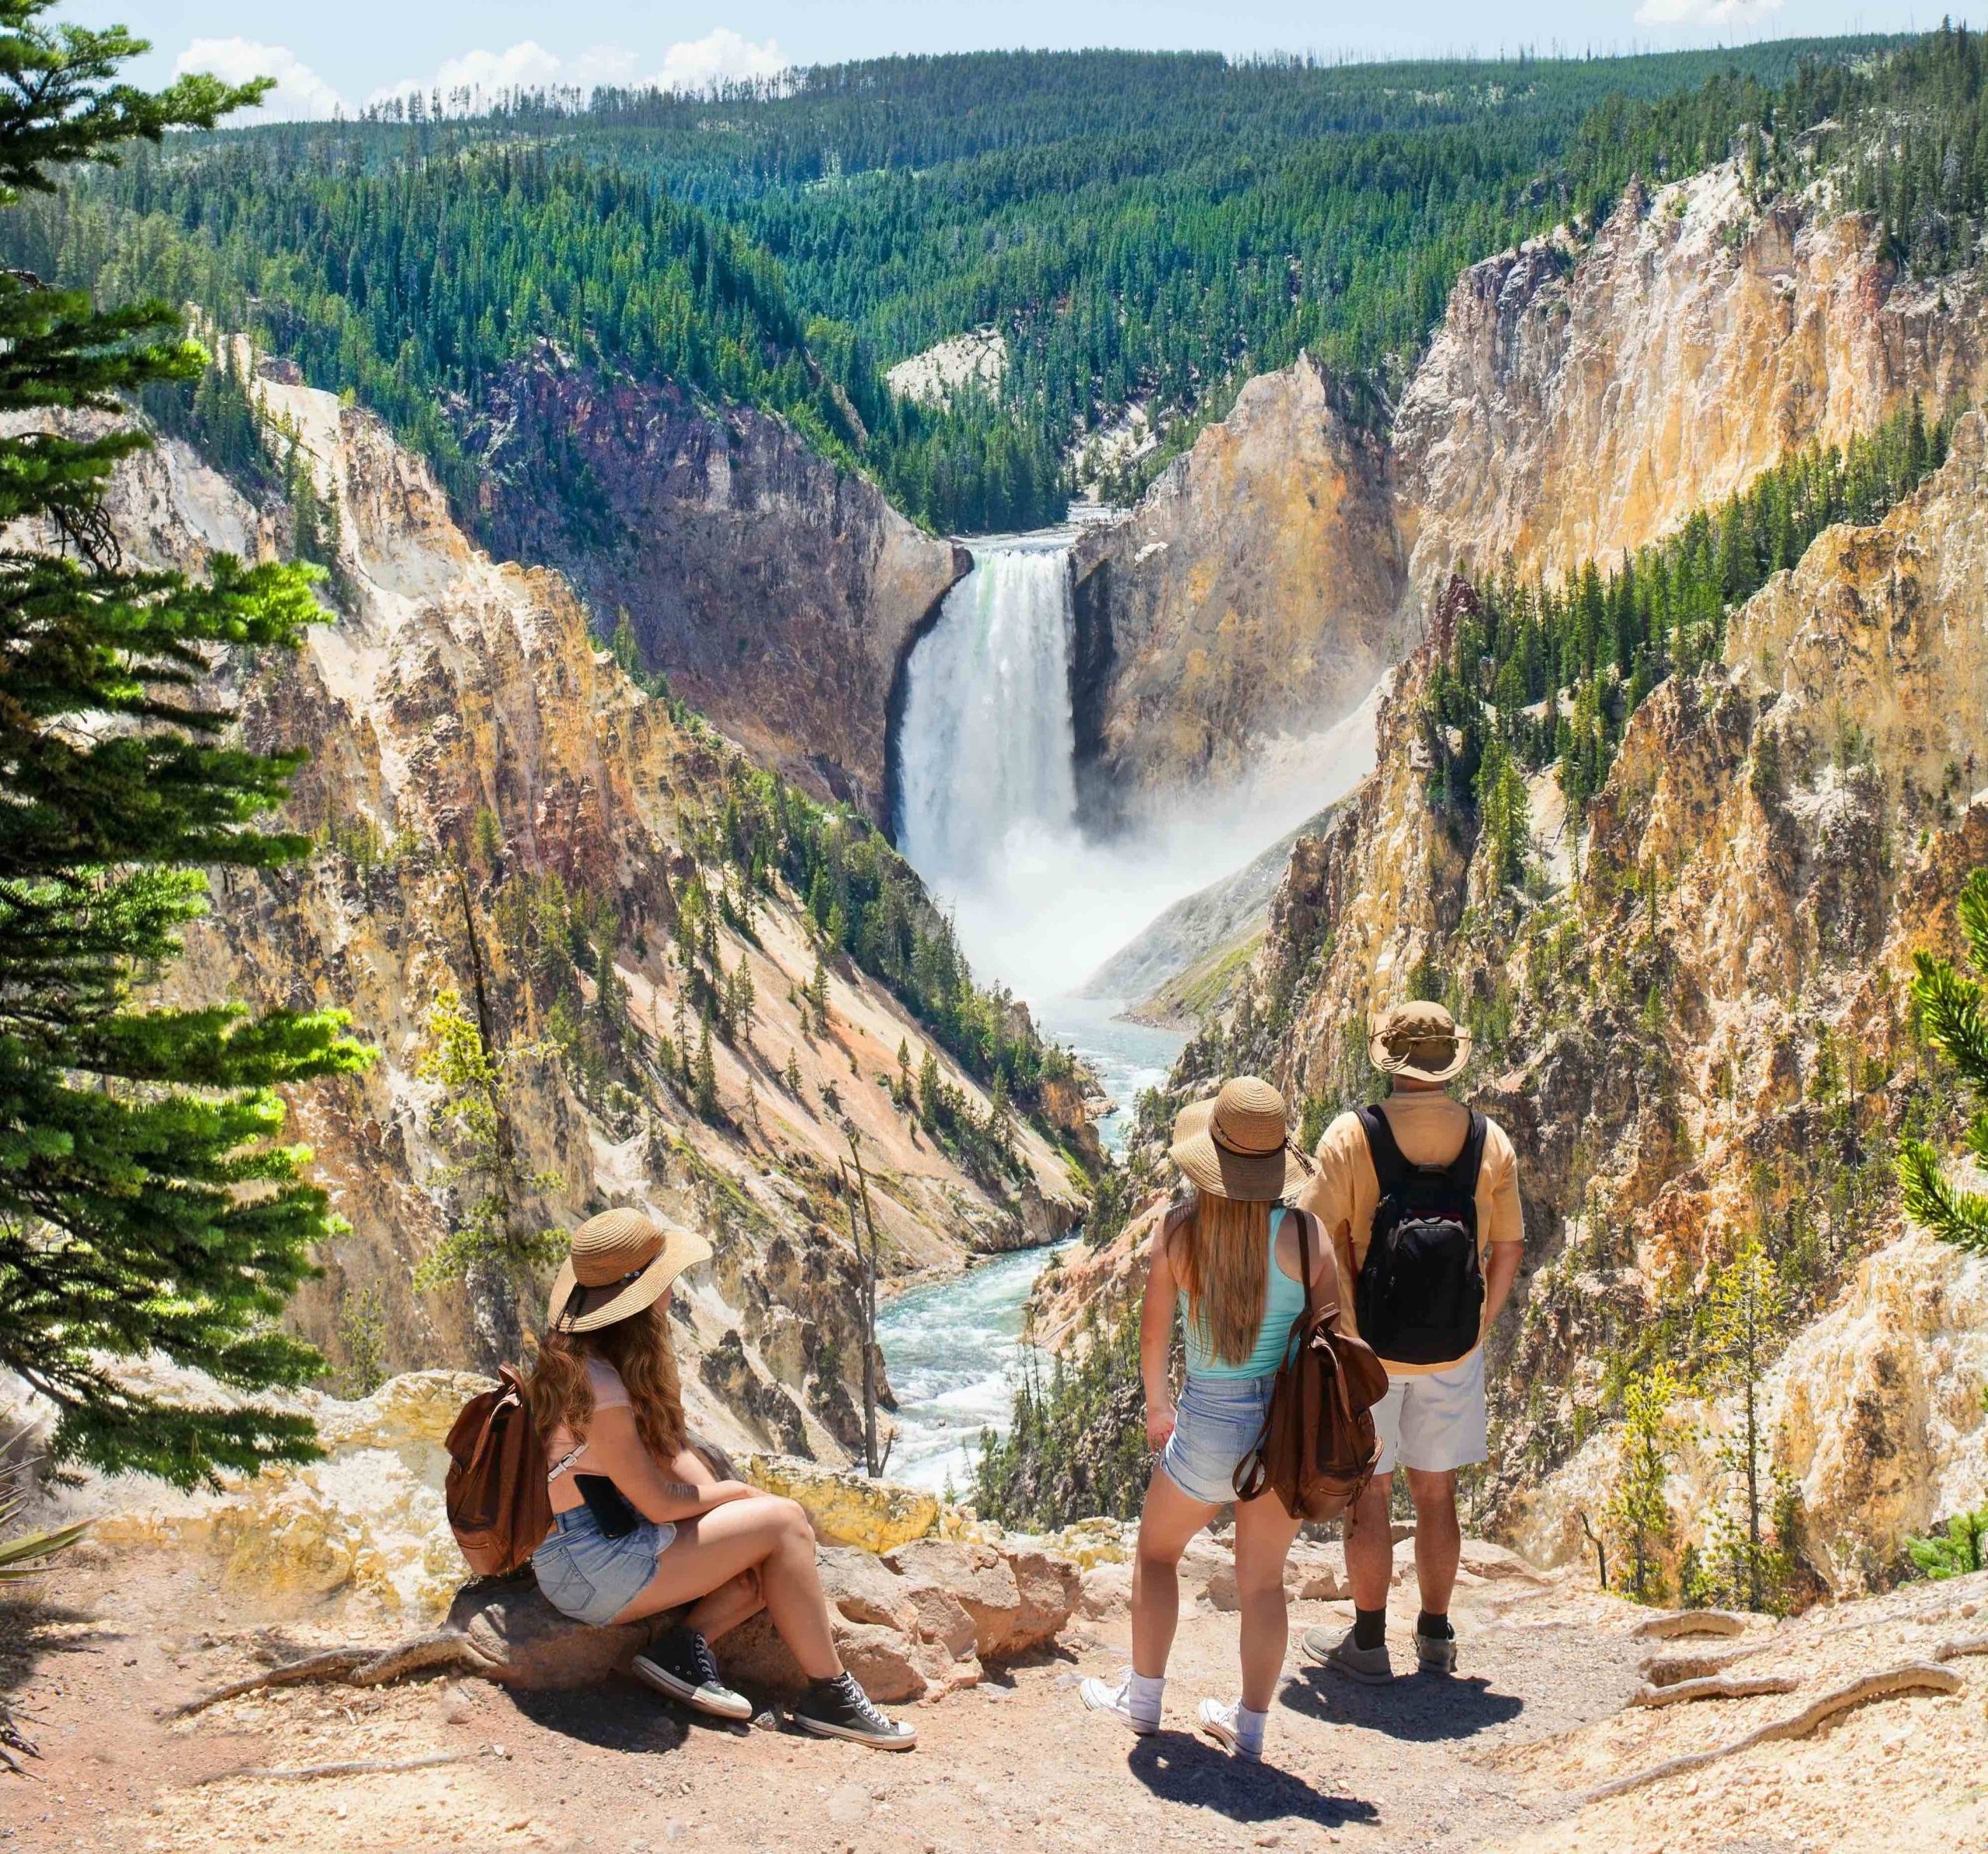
1253,596
1570,407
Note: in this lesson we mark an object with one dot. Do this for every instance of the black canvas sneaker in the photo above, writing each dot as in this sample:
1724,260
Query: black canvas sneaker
840,1709
681,1665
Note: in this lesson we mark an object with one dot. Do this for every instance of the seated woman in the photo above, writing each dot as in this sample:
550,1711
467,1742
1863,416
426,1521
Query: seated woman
605,1402
1232,1260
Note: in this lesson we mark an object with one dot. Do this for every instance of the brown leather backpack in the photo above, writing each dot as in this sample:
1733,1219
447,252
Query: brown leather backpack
1318,1449
496,1495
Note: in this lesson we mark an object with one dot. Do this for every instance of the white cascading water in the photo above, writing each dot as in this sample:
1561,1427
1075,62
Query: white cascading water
985,750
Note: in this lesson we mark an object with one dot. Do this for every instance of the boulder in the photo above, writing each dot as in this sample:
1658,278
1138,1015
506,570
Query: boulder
884,1661
528,1643
1049,1587
1106,1592
976,1579
844,1508
1312,1574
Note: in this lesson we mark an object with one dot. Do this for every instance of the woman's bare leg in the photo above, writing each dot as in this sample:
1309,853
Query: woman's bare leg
766,1532
1169,1519
731,1604
1263,1533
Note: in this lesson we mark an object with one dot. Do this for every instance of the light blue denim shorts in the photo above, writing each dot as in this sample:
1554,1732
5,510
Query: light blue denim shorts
1217,1422
589,1577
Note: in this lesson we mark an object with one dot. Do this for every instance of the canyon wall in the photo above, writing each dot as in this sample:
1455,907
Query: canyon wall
776,589
1577,403
1248,603
1578,400
487,790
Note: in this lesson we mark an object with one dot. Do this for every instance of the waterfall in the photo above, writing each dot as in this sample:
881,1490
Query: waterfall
985,745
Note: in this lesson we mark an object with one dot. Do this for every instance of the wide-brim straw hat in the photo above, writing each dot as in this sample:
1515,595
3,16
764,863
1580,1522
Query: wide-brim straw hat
618,1263
1419,1042
1237,1145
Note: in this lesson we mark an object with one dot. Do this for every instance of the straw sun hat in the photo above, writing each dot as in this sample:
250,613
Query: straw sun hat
1418,1042
1237,1146
618,1264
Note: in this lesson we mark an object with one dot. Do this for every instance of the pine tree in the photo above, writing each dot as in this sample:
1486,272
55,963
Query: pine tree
789,1077
146,1203
1638,1513
704,1078
493,1245
1954,1011
1744,1306
818,996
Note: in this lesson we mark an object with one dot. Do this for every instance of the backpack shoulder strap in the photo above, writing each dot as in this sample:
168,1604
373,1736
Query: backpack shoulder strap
1389,1166
1465,1167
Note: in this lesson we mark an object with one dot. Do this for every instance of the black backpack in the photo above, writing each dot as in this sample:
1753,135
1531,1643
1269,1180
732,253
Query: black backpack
1420,1294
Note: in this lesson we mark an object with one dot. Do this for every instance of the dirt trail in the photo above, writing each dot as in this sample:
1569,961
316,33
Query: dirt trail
1498,1757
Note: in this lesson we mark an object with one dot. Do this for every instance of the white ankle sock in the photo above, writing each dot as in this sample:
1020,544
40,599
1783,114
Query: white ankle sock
1250,1728
1144,1695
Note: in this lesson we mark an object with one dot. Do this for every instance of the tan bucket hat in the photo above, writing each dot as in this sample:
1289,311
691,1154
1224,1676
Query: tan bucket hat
618,1263
1237,1145
1419,1042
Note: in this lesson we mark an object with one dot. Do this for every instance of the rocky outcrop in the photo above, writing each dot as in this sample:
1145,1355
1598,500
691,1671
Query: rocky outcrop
1246,604
1704,1033
1576,403
776,589
483,779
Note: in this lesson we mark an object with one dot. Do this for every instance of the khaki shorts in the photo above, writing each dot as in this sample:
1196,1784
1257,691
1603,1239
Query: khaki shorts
1435,1420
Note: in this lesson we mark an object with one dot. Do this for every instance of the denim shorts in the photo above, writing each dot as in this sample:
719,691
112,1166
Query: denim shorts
589,1577
1217,1422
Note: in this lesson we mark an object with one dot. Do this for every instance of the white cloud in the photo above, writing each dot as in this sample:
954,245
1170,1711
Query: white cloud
476,78
1704,13
720,53
300,94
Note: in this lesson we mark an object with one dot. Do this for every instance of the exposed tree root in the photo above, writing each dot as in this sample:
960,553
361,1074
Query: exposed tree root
355,1666
349,1767
1910,1677
1953,1650
1670,1670
1690,1622
1715,1686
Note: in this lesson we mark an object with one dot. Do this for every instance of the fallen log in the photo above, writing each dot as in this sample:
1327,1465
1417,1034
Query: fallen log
354,1667
346,1767
1909,1677
1715,1686
1690,1622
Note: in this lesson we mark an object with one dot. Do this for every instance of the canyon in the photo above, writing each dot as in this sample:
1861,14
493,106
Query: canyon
479,766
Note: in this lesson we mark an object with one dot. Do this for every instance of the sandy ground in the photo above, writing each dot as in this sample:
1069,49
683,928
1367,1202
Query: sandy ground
1499,1757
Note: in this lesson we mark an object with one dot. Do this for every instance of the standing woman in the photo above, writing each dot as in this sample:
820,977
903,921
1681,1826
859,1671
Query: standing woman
1232,1261
640,1523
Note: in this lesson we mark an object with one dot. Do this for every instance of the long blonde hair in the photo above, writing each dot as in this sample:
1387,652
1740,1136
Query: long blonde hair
639,1351
1220,1255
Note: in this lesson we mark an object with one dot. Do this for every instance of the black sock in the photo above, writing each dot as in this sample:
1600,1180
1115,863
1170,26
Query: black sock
1370,1627
1435,1627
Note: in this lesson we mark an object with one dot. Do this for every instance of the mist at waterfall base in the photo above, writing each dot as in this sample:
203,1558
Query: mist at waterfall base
987,789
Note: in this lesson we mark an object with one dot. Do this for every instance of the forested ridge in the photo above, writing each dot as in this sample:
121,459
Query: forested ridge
1149,227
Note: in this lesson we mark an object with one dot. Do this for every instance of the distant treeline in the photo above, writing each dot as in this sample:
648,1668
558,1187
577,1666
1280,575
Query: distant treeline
1149,226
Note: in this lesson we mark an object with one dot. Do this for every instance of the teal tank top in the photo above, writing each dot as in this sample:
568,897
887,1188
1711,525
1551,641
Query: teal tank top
1282,1304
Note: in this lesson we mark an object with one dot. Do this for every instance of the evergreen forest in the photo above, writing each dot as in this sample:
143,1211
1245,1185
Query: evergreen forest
1141,228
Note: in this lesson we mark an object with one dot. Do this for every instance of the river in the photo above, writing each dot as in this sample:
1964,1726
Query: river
953,1347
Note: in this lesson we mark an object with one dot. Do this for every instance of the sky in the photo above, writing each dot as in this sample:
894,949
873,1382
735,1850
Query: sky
352,52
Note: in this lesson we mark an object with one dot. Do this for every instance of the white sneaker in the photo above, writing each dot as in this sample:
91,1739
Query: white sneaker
1220,1724
1100,1696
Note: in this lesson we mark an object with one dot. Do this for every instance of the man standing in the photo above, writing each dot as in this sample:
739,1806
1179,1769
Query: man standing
1421,1196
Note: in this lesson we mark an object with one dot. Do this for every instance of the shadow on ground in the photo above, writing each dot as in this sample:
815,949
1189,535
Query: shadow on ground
1421,1709
1179,1769
620,1715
